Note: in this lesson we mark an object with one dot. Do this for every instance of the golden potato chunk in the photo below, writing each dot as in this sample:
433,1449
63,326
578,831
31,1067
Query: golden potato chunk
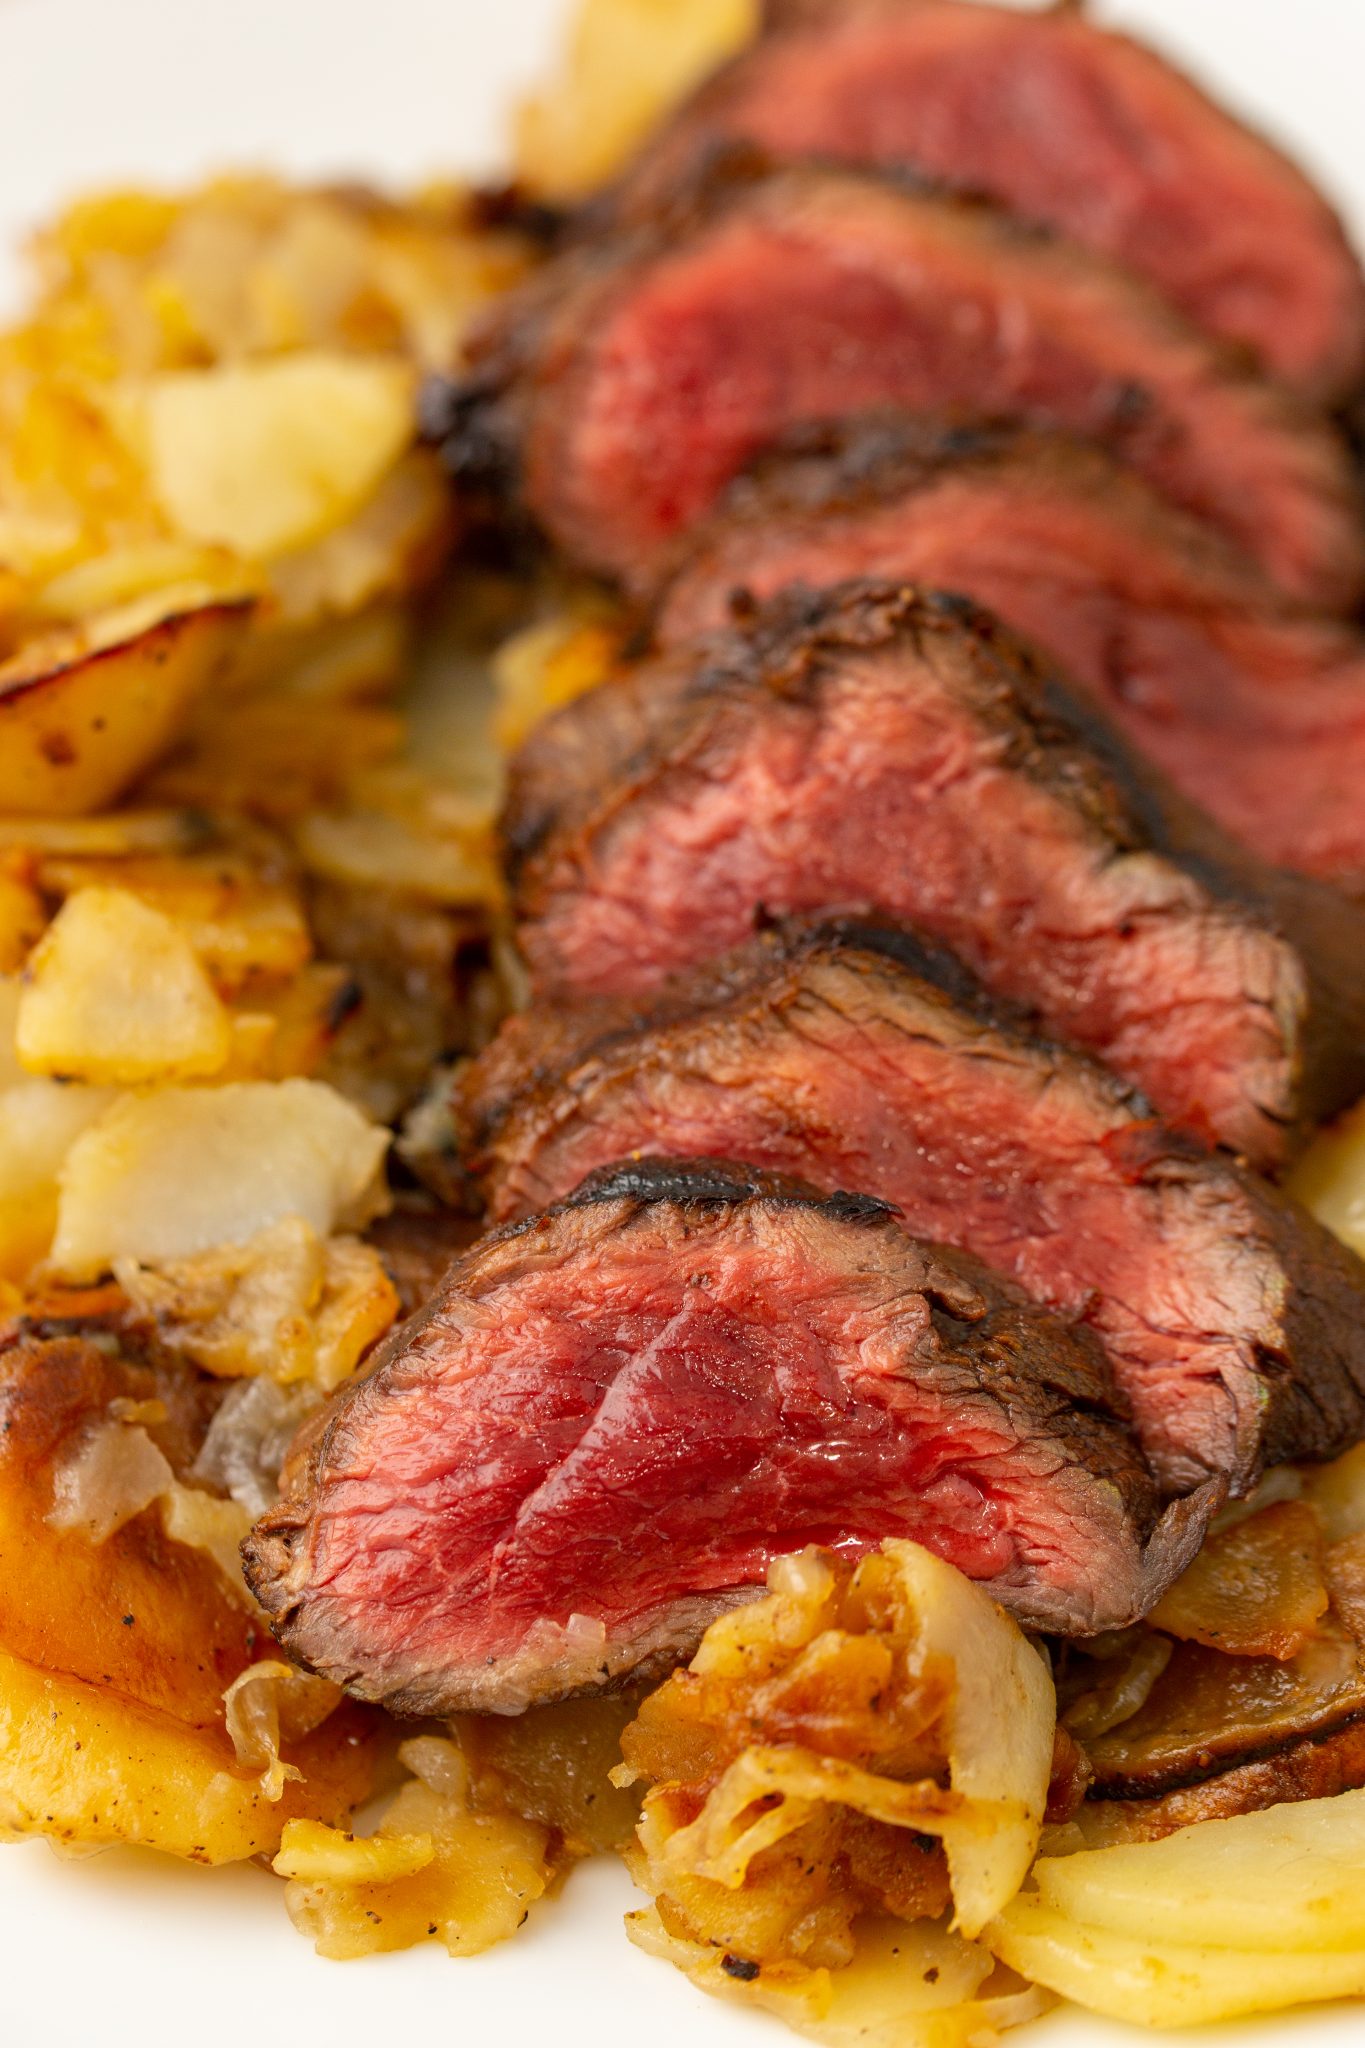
261,457
85,710
436,1868
115,1656
115,995
187,1170
1256,1589
629,62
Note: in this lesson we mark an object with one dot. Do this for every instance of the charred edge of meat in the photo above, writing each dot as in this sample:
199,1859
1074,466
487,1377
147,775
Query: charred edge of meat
715,1183
828,467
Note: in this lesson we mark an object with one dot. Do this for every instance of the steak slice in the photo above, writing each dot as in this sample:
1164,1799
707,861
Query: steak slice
634,378
612,1417
1253,707
875,749
1234,1323
1066,124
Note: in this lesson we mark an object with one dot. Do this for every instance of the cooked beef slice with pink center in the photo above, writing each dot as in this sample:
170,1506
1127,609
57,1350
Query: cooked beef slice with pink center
1255,708
612,1417
1068,125
634,378
860,1059
875,749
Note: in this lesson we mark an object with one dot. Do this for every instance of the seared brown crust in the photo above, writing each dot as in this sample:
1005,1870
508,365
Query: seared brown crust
505,425
564,1067
590,761
1000,1352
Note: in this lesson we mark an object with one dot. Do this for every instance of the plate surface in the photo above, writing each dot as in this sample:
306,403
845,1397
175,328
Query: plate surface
120,1948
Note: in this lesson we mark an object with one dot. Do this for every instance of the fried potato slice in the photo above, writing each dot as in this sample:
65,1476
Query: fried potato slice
1256,1589
1285,1878
907,1987
39,1123
115,1656
1155,1984
85,710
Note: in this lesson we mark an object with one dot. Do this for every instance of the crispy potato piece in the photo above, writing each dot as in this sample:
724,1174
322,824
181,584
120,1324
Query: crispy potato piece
85,710
114,1657
550,663
435,1868
629,62
87,1767
245,925
1256,1589
187,1170
115,995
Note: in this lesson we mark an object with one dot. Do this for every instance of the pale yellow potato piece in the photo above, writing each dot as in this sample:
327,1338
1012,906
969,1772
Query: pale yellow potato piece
245,925
1330,1178
184,1170
1155,1984
79,1763
907,1987
999,1728
320,1855
484,1871
262,457
1337,1491
629,62
39,1123
115,995
85,710
1288,1877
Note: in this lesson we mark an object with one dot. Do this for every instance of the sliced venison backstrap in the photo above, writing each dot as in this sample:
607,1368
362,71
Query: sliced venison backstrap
1254,707
879,750
1066,124
633,379
612,1418
860,1058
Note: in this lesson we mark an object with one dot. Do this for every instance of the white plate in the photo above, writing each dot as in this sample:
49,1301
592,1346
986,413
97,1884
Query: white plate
122,1948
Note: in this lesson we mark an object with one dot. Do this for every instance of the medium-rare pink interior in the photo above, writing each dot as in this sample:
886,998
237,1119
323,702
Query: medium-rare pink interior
1255,710
608,1425
900,777
1066,124
844,1065
642,376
